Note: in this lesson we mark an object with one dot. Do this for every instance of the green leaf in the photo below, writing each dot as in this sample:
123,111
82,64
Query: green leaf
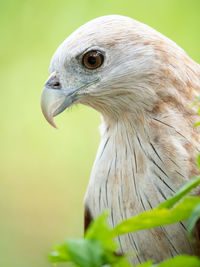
146,264
96,249
83,252
121,262
165,213
158,217
180,261
183,191
100,230
196,124
192,221
61,254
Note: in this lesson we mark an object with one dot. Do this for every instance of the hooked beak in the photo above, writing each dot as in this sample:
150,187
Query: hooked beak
51,103
54,99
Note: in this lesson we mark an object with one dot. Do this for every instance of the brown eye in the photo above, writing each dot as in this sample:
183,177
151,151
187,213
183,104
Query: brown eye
93,60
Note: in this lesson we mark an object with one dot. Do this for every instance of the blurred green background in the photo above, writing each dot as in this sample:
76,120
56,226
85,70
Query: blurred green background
44,172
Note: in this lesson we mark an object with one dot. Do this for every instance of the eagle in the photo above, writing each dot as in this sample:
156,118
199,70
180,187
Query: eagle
142,83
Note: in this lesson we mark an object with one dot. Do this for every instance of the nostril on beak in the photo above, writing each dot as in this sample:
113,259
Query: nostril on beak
53,84
56,85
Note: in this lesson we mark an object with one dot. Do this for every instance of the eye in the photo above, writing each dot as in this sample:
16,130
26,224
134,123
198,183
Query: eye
93,60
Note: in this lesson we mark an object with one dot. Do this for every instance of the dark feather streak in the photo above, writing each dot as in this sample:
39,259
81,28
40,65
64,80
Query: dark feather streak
160,191
168,239
156,152
134,181
183,226
106,184
112,217
135,160
132,241
142,203
180,174
104,147
164,182
158,166
119,202
174,162
147,199
171,127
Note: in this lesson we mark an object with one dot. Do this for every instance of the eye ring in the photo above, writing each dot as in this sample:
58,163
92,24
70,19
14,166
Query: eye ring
92,59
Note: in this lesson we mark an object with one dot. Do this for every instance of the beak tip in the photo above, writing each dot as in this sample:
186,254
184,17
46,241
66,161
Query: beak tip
53,125
52,104
50,120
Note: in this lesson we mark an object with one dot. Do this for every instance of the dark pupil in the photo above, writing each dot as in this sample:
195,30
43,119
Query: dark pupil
92,60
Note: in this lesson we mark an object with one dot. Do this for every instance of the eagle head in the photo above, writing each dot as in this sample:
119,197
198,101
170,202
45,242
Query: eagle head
111,63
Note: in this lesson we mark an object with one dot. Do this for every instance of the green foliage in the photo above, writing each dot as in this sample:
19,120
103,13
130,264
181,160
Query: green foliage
96,249
192,221
99,230
183,191
158,217
99,247
165,213
82,252
197,124
179,261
